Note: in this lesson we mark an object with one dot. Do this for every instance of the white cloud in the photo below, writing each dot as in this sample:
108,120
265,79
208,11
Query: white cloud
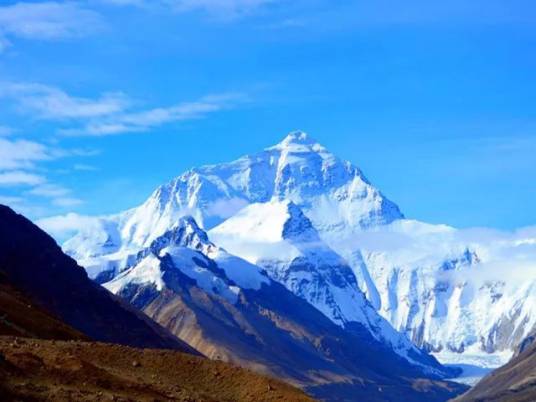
48,20
84,167
63,225
25,154
227,9
21,205
146,119
222,8
20,178
66,201
83,152
53,103
10,200
49,190
22,153
59,195
18,166
138,3
110,113
226,208
416,244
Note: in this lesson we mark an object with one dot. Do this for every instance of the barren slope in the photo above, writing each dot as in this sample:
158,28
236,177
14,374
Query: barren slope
39,370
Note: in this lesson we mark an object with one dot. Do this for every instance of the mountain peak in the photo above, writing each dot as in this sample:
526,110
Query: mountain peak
186,233
297,138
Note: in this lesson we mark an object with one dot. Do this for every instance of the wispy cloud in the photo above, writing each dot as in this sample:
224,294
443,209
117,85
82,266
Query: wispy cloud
226,9
107,114
62,226
22,206
221,8
84,167
10,200
47,20
20,178
18,154
137,3
413,244
53,103
66,201
145,120
49,190
59,195
20,168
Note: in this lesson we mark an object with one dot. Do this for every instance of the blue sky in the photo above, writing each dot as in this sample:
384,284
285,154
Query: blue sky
103,100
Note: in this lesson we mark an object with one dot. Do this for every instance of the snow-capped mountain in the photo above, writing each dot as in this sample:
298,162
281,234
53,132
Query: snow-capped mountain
333,193
431,282
298,171
190,251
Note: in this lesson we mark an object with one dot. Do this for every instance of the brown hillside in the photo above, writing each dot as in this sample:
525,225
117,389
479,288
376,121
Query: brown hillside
44,370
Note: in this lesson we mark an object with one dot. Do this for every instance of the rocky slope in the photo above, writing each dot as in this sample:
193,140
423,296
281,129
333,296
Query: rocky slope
19,316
